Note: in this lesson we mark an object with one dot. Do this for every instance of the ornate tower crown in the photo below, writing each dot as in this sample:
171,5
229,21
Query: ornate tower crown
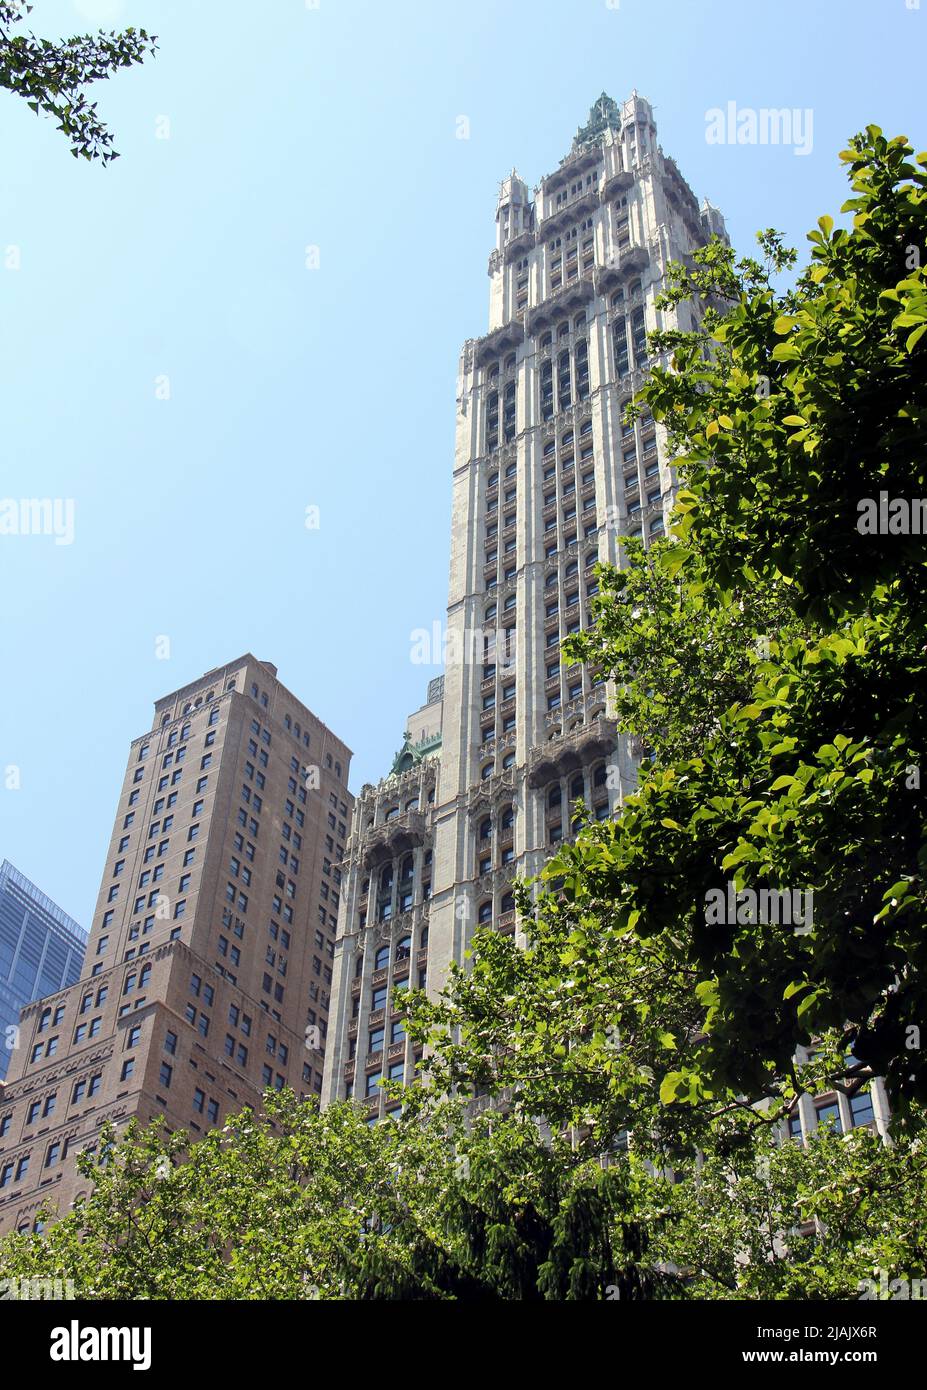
604,115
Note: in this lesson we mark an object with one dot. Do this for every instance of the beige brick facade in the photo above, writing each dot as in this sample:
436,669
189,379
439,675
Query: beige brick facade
208,970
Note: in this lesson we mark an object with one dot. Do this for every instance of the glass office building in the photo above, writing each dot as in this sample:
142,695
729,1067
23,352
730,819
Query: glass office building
41,951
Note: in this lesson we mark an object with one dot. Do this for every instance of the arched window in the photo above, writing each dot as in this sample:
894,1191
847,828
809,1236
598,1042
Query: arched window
551,580
547,390
392,813
508,903
577,787
508,761
492,420
600,776
404,948
338,770
386,877
407,870
486,771
381,959
490,612
553,797
546,340
580,320
564,393
358,967
423,939
508,416
582,370
508,818
486,828
510,362
328,759
485,911
413,804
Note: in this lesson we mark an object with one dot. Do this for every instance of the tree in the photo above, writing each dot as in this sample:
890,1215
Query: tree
807,404
758,1220
439,1205
303,1204
51,77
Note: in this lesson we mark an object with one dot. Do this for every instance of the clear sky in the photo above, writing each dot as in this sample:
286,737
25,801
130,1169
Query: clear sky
332,125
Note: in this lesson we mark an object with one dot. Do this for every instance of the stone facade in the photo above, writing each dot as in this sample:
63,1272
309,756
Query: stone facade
383,937
208,969
547,475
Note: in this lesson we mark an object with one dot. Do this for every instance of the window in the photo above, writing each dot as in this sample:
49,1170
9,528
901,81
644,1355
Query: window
828,1113
128,1068
861,1110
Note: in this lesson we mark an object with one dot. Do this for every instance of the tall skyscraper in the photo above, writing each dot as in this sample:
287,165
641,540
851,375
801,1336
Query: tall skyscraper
547,476
209,963
41,951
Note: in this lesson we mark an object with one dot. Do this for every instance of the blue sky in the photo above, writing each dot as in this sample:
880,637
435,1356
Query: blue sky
332,126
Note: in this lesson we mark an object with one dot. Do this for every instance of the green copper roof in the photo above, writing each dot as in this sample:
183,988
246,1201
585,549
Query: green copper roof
411,753
605,115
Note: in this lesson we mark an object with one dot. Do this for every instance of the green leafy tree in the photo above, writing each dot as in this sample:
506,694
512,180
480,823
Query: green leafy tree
303,1204
800,770
441,1205
52,76
758,1220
